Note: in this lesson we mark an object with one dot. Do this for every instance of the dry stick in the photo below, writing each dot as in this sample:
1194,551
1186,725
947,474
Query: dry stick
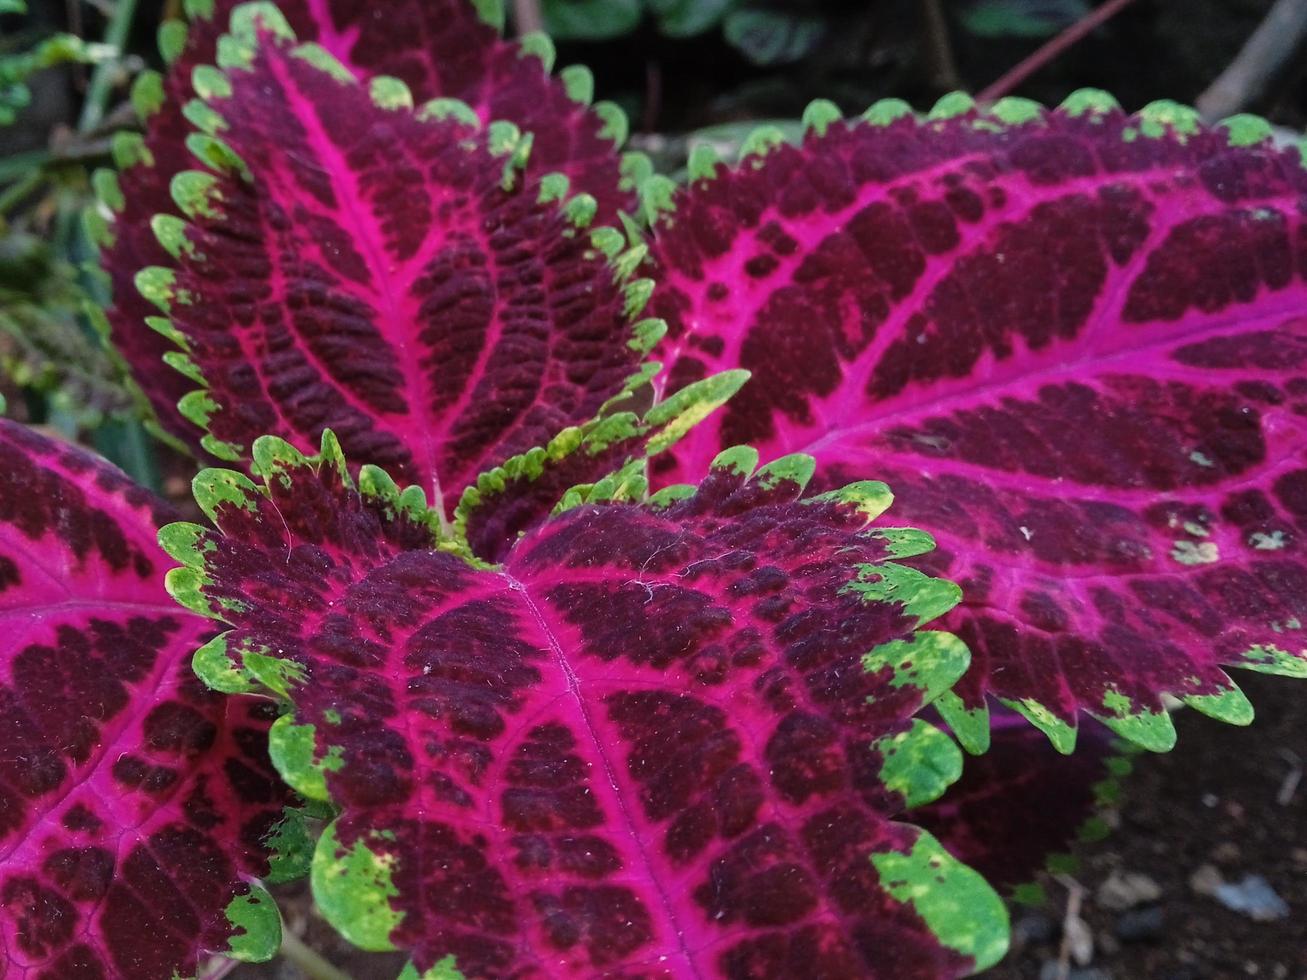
1075,898
943,68
653,99
1267,51
1072,35
1291,779
527,16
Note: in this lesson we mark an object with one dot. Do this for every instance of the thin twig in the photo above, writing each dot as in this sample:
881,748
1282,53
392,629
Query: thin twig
1048,52
310,961
653,96
115,36
1264,54
1075,898
939,49
1291,779
527,16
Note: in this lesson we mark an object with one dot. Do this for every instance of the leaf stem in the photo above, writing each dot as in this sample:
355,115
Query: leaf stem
115,36
310,961
1048,52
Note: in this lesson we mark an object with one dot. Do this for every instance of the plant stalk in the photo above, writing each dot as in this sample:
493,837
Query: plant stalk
97,94
310,961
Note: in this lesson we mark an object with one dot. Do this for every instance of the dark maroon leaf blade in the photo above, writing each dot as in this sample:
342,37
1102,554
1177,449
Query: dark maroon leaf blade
441,48
1074,342
360,265
133,801
453,49
663,739
131,198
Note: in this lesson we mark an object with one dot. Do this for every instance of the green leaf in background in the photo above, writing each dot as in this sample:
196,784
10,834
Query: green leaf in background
1021,18
687,18
590,20
13,7
16,68
43,345
772,37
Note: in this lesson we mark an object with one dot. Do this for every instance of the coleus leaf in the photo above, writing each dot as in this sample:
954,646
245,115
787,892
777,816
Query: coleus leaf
604,459
442,49
134,802
1020,806
380,275
662,739
1074,342
452,49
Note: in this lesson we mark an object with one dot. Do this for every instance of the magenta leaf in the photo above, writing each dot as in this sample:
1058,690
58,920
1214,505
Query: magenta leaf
442,49
387,272
661,739
1020,806
1073,341
134,803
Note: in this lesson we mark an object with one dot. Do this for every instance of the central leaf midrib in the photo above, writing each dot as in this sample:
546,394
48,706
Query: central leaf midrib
357,218
610,771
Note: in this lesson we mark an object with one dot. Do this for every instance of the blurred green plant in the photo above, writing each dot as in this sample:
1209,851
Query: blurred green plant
18,64
764,31
45,346
51,352
1021,18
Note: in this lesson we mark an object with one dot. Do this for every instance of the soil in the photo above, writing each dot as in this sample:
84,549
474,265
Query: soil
1211,801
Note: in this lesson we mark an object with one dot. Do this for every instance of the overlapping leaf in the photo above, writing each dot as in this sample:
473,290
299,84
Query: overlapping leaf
658,740
133,802
1074,342
440,48
453,49
608,456
387,273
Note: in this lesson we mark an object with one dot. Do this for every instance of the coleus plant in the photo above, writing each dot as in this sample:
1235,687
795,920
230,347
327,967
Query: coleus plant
574,686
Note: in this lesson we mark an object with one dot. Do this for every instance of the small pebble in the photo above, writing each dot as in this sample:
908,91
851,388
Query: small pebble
1253,897
1034,929
1226,853
1140,925
1206,880
1125,889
